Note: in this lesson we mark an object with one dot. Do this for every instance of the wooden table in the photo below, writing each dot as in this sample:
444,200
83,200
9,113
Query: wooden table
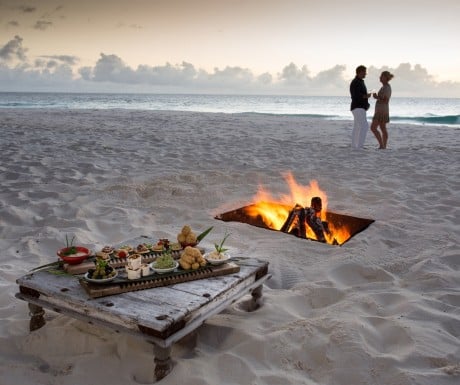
161,315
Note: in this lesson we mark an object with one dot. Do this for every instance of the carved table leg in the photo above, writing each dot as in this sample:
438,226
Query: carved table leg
36,317
163,362
256,295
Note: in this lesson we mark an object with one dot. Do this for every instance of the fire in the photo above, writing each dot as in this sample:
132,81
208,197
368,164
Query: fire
338,234
274,211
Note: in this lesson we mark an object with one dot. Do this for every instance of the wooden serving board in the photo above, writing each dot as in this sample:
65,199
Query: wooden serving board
123,285
116,262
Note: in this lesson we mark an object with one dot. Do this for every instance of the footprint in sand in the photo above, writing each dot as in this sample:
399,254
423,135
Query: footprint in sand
384,304
450,299
320,297
284,277
453,261
385,336
353,274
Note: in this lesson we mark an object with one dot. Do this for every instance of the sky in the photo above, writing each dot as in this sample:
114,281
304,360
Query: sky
305,47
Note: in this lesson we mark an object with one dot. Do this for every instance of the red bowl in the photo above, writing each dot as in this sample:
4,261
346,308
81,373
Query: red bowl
74,259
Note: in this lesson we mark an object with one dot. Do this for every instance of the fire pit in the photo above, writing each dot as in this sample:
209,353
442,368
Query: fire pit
291,217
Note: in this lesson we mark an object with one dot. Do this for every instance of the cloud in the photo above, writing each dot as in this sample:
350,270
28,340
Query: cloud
111,68
231,76
26,8
291,74
110,73
48,76
328,82
70,60
42,25
415,80
265,78
46,73
130,26
13,50
333,76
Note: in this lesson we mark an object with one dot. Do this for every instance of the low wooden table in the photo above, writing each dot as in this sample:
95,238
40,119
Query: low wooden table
161,315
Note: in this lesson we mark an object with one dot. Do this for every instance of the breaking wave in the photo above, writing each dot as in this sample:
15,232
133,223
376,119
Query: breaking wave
437,120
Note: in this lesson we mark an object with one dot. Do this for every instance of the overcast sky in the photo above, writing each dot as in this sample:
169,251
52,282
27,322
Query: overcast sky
306,47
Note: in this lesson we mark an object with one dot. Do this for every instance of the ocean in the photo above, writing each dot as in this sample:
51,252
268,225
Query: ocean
432,111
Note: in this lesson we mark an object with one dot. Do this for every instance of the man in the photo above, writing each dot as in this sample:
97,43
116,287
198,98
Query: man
359,106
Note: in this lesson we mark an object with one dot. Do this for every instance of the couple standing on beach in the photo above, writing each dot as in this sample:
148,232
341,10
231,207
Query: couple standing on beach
360,104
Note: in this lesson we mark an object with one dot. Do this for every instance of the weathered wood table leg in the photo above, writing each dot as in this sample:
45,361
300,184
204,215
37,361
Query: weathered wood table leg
36,317
163,362
256,296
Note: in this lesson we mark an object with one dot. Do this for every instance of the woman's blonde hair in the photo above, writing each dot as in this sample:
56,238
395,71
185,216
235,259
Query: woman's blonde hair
387,75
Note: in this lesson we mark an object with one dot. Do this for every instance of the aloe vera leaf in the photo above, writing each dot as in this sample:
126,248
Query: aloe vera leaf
204,233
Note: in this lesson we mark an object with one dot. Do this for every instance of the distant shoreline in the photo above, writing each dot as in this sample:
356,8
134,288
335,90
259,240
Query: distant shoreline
423,111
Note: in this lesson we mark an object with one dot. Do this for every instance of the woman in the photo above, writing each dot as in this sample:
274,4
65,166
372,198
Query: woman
382,112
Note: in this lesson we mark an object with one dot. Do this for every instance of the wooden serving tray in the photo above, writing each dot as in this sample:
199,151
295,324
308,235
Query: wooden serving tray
123,285
116,262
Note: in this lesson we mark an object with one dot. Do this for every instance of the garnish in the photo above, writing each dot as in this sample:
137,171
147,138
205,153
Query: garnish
203,234
70,248
220,248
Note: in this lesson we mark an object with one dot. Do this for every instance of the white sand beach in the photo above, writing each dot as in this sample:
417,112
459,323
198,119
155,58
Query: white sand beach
382,309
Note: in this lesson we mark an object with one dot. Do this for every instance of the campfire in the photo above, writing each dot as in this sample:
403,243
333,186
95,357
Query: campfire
290,214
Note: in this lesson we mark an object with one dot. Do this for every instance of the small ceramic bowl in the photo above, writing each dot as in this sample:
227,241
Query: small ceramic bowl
163,271
81,253
101,280
224,258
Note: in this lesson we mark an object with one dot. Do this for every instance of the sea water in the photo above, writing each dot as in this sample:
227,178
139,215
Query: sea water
433,111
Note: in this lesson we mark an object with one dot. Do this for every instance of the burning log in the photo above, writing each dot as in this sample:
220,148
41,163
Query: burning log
293,222
300,216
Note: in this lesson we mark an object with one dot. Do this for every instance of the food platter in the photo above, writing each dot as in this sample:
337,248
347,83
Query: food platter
123,285
100,281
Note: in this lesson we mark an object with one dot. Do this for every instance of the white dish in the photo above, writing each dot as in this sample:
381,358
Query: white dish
163,271
221,261
106,280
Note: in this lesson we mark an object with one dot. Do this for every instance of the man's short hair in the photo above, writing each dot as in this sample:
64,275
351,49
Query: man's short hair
360,68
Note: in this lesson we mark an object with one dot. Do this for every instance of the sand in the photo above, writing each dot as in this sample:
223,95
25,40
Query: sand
384,308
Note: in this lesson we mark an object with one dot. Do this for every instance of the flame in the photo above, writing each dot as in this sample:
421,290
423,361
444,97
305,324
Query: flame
274,211
337,234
